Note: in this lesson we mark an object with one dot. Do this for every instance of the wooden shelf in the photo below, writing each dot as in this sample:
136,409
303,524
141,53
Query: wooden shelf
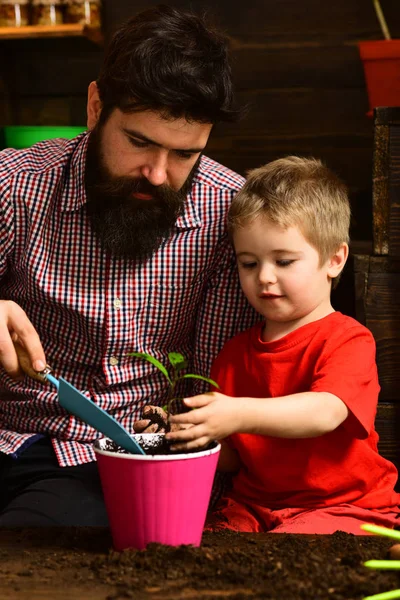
40,31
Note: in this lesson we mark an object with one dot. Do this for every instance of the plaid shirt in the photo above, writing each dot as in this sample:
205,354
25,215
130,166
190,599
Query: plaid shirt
90,309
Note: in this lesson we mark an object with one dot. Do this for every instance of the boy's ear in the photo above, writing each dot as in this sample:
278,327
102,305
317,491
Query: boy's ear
338,260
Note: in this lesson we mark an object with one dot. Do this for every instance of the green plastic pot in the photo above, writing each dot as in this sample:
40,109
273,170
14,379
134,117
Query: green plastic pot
23,136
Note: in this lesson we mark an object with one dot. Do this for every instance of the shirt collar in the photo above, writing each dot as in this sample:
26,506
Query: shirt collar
74,195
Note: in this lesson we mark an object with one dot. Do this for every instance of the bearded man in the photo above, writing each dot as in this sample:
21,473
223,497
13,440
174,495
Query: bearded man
113,242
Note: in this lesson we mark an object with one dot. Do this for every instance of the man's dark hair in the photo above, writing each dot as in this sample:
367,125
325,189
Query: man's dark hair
170,62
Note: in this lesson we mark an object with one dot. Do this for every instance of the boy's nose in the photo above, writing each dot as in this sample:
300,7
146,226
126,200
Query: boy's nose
267,274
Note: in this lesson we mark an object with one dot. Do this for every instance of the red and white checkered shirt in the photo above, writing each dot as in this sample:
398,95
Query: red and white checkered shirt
90,309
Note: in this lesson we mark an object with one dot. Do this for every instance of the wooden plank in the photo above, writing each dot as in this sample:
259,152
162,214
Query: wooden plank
360,289
377,305
386,335
328,67
64,110
386,182
55,69
305,65
380,187
302,112
292,20
384,264
352,163
387,424
387,115
40,31
383,297
394,191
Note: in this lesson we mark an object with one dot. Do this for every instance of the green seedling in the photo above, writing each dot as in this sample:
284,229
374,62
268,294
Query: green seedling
382,564
178,364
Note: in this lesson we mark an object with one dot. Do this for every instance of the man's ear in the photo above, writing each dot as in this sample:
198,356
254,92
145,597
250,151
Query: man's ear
93,105
338,260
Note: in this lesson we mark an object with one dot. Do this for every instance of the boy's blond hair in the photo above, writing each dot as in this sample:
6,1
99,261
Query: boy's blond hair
295,191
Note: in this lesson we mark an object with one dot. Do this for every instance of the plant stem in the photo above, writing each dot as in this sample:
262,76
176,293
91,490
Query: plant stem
382,20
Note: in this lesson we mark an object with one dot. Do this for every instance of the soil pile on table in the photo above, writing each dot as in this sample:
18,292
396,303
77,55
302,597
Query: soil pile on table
227,565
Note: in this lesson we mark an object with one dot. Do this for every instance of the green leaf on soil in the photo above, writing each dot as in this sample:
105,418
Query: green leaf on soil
152,360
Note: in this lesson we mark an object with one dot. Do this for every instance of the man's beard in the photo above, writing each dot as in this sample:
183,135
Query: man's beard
126,226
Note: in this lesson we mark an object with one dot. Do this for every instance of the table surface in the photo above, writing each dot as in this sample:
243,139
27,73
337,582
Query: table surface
69,563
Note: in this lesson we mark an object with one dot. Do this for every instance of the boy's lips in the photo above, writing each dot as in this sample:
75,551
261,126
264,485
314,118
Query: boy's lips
267,296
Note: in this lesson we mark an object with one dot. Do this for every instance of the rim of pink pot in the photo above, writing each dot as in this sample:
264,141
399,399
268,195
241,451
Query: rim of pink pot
155,457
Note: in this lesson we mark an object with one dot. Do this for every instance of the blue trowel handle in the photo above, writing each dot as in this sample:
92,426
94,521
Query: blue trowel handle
52,379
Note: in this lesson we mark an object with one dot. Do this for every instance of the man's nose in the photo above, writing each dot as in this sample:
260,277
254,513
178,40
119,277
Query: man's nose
155,167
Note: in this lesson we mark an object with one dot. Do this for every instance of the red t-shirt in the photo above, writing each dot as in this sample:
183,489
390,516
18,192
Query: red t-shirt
334,354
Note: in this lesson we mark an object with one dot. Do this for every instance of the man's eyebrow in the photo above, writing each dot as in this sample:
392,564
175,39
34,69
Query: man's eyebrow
140,136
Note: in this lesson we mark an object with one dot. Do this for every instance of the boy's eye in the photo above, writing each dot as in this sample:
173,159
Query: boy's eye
248,265
284,262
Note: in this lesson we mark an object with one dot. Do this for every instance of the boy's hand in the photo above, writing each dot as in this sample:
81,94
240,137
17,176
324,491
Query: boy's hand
216,416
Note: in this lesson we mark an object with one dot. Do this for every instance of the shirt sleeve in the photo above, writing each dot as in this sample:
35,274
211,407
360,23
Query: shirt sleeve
347,369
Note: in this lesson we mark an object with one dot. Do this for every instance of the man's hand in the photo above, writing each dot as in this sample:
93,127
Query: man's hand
216,416
15,326
154,420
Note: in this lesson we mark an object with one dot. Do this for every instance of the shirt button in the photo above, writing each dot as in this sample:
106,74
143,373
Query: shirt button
117,303
113,361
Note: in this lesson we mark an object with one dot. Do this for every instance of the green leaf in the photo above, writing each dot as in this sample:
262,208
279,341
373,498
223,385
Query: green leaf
207,379
152,360
177,360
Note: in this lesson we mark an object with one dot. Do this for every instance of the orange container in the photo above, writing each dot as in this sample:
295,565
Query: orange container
381,60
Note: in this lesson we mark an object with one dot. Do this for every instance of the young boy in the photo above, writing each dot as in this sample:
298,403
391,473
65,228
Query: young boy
299,390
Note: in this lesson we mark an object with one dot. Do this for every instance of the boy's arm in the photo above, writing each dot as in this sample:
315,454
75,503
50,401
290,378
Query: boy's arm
303,415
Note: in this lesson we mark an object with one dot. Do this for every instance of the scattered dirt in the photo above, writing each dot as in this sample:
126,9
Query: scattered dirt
78,563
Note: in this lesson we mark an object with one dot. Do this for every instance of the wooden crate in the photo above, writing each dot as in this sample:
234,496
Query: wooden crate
386,182
377,298
387,424
377,306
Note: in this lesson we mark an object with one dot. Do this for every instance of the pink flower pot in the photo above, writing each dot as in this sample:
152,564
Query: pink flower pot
381,60
161,498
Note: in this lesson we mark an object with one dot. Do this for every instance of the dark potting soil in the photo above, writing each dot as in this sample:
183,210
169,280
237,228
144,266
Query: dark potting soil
78,563
160,447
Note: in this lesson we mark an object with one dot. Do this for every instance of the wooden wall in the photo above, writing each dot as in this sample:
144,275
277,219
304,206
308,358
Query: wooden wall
296,63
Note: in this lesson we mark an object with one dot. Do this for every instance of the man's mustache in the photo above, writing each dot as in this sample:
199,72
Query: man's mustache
125,186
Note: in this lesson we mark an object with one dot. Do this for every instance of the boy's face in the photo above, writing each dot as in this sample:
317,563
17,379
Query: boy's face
281,276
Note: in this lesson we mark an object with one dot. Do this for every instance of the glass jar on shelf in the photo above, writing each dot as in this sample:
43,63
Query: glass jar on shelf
86,12
14,13
47,12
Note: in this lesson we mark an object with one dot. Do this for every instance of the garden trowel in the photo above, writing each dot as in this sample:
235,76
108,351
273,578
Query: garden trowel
80,405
